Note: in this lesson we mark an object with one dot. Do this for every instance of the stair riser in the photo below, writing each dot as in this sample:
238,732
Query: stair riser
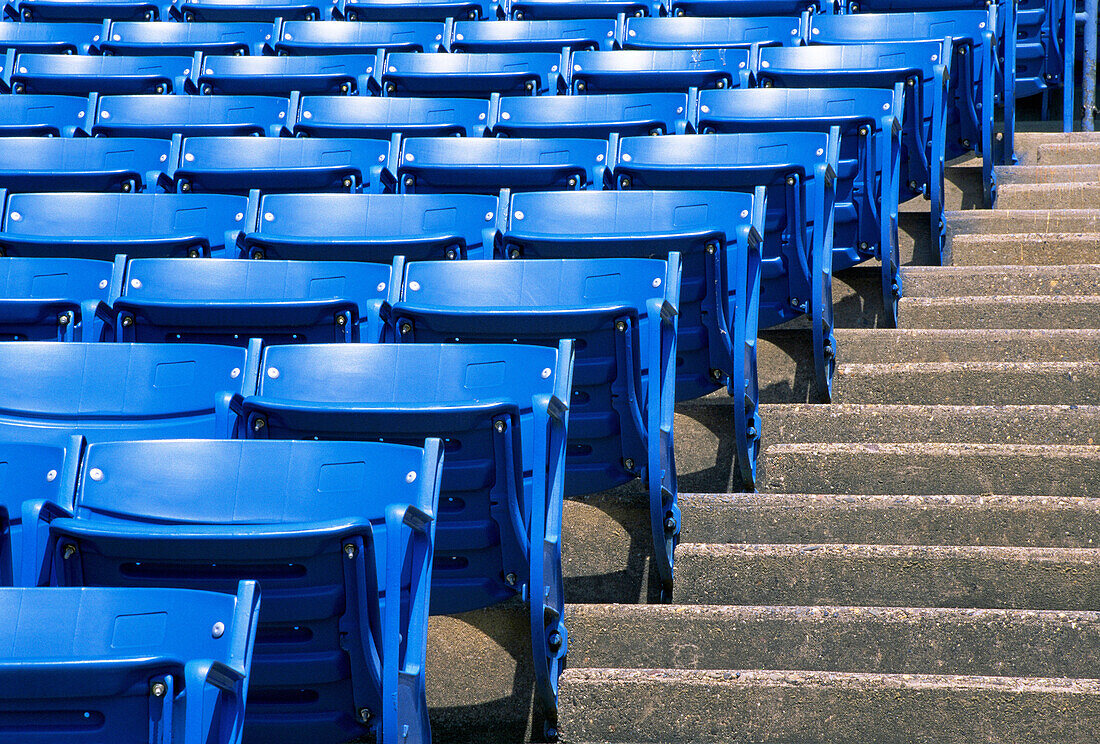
983,313
1055,248
1004,384
1050,195
1003,281
1011,175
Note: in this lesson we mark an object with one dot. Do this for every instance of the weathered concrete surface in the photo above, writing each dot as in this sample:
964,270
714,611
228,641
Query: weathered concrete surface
976,281
1050,195
888,576
1055,148
1025,248
876,640
1000,312
1040,470
969,383
1068,154
1022,221
690,707
1024,521
1071,173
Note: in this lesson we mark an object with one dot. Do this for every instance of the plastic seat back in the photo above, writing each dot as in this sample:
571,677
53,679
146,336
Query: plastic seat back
472,75
70,11
748,8
29,472
190,116
80,75
535,10
655,70
108,391
259,11
354,37
51,299
372,227
136,39
720,33
344,74
591,116
44,116
229,301
533,36
415,10
80,164
381,118
140,664
238,164
485,166
55,38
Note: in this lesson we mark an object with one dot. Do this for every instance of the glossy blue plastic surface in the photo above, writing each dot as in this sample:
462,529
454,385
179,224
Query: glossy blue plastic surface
51,299
143,38
721,33
251,10
415,10
28,472
190,116
533,10
100,226
238,164
657,70
622,314
472,75
71,74
748,8
44,116
372,227
87,10
502,411
80,164
58,38
331,529
591,116
355,37
717,234
229,301
380,118
484,166
344,74
111,392
85,665
533,36
799,173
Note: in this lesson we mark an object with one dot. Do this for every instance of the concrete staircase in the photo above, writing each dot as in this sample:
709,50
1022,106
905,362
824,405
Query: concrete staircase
828,608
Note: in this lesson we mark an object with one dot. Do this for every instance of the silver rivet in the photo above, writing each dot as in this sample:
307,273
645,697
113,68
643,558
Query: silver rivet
22,69
765,63
657,282
189,157
553,68
488,216
235,372
218,630
80,115
50,476
510,579
744,213
382,158
393,69
269,216
518,215
981,25
740,65
459,37
794,32
626,157
95,474
287,37
599,158
272,372
505,115
410,476
163,158
15,216
546,373
381,286
935,57
679,109
282,114
817,30
350,550
414,286
820,151
307,115
481,116
135,283
158,689
705,109
103,284
576,68
885,107
238,216
611,34
209,71
105,114
409,156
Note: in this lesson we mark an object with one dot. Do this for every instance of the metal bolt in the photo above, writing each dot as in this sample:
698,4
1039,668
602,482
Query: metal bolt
795,302
790,180
127,321
409,181
751,432
510,579
350,550
863,131
712,248
628,464
258,424
670,524
68,552
257,254
620,326
159,689
554,640
624,182
863,245
341,320
63,319
218,630
365,715
406,328
498,427
347,183
572,182
716,374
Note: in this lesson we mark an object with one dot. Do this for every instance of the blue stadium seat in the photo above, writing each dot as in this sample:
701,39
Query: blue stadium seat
415,10
657,70
111,392
339,533
591,116
866,209
45,116
347,37
748,8
472,75
503,411
257,11
230,301
99,226
344,74
707,33
974,82
924,69
190,116
80,164
381,118
140,39
52,299
799,172
29,472
371,227
81,75
57,38
485,166
539,10
142,664
239,164
87,10
718,237
621,312
533,36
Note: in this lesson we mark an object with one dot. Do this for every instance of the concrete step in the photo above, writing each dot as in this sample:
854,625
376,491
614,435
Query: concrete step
1024,521
1013,221
877,640
1018,174
935,468
1028,247
697,707
1050,195
976,281
987,312
888,576
969,383
1056,148
1068,154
